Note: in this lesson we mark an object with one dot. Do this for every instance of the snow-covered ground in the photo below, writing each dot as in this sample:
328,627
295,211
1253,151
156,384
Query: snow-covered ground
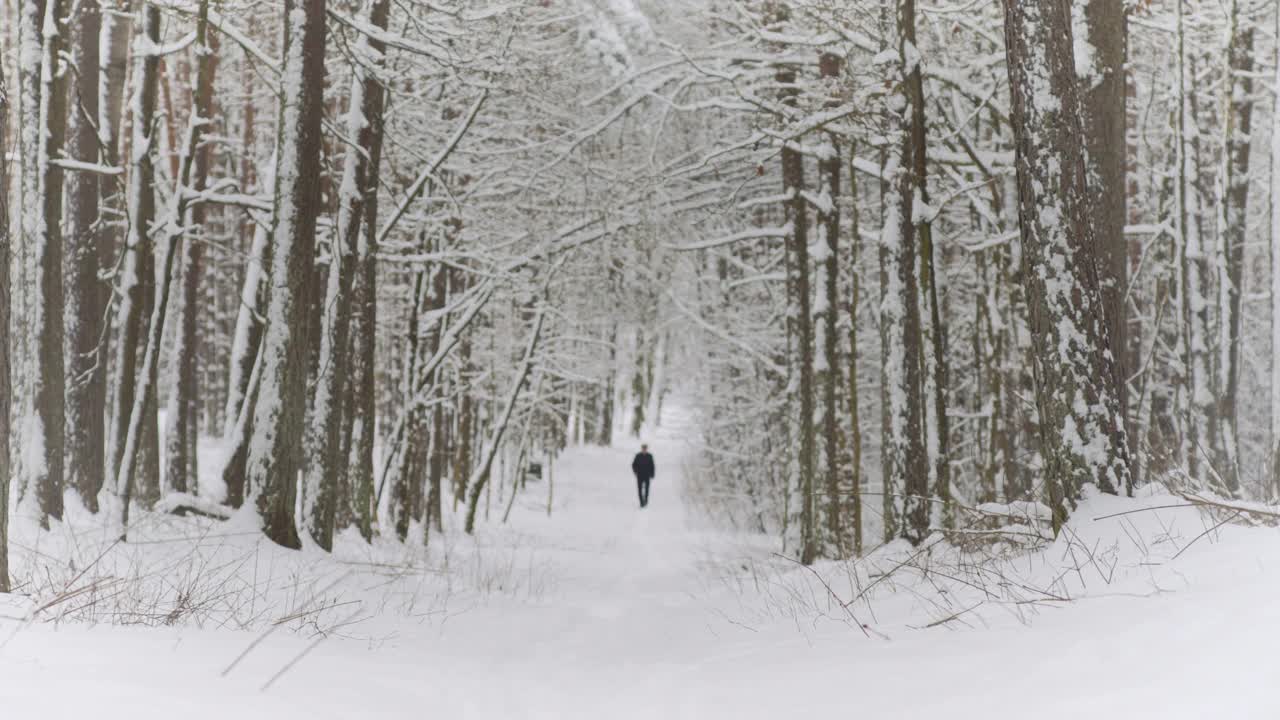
605,611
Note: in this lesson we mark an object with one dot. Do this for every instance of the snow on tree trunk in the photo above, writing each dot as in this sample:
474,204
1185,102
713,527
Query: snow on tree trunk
1199,407
855,413
6,398
1233,206
138,244
42,122
1081,429
1275,278
905,458
330,431
86,296
182,407
362,393
829,367
275,449
248,328
404,480
1100,52
466,421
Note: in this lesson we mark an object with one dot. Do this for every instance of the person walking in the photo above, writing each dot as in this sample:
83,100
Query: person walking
643,468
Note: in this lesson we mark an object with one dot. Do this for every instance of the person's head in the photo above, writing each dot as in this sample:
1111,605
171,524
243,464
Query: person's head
644,448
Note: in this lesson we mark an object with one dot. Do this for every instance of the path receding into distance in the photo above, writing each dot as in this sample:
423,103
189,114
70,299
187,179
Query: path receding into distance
607,611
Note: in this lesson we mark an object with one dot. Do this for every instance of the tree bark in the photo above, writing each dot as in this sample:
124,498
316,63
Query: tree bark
138,243
86,294
42,113
6,398
905,456
330,431
855,413
1198,406
275,451
182,409
1081,430
1233,227
1103,87
1274,199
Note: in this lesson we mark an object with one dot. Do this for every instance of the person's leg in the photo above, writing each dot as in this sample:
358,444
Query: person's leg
640,490
644,493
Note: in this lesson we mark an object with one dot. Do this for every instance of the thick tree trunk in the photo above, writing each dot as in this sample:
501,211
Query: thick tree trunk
1103,86
275,451
359,428
86,293
42,115
1081,429
330,432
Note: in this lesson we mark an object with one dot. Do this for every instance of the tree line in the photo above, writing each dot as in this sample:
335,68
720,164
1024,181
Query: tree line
964,261
331,249
910,263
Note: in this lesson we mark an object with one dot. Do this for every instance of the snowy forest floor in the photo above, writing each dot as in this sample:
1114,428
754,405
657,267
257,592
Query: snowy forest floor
605,611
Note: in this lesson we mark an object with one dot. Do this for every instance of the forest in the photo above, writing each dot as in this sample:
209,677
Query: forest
399,281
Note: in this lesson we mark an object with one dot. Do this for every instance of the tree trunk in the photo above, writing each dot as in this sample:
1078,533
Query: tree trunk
466,420
42,123
1081,430
363,408
182,409
330,432
905,456
1198,409
1274,199
248,329
85,292
1233,226
403,479
6,399
275,451
855,413
1103,86
138,245
246,365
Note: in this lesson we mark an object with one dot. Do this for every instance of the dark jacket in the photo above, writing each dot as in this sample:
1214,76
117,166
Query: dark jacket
642,466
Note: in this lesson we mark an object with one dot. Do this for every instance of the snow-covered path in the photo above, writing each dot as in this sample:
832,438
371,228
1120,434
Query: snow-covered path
605,611
609,618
